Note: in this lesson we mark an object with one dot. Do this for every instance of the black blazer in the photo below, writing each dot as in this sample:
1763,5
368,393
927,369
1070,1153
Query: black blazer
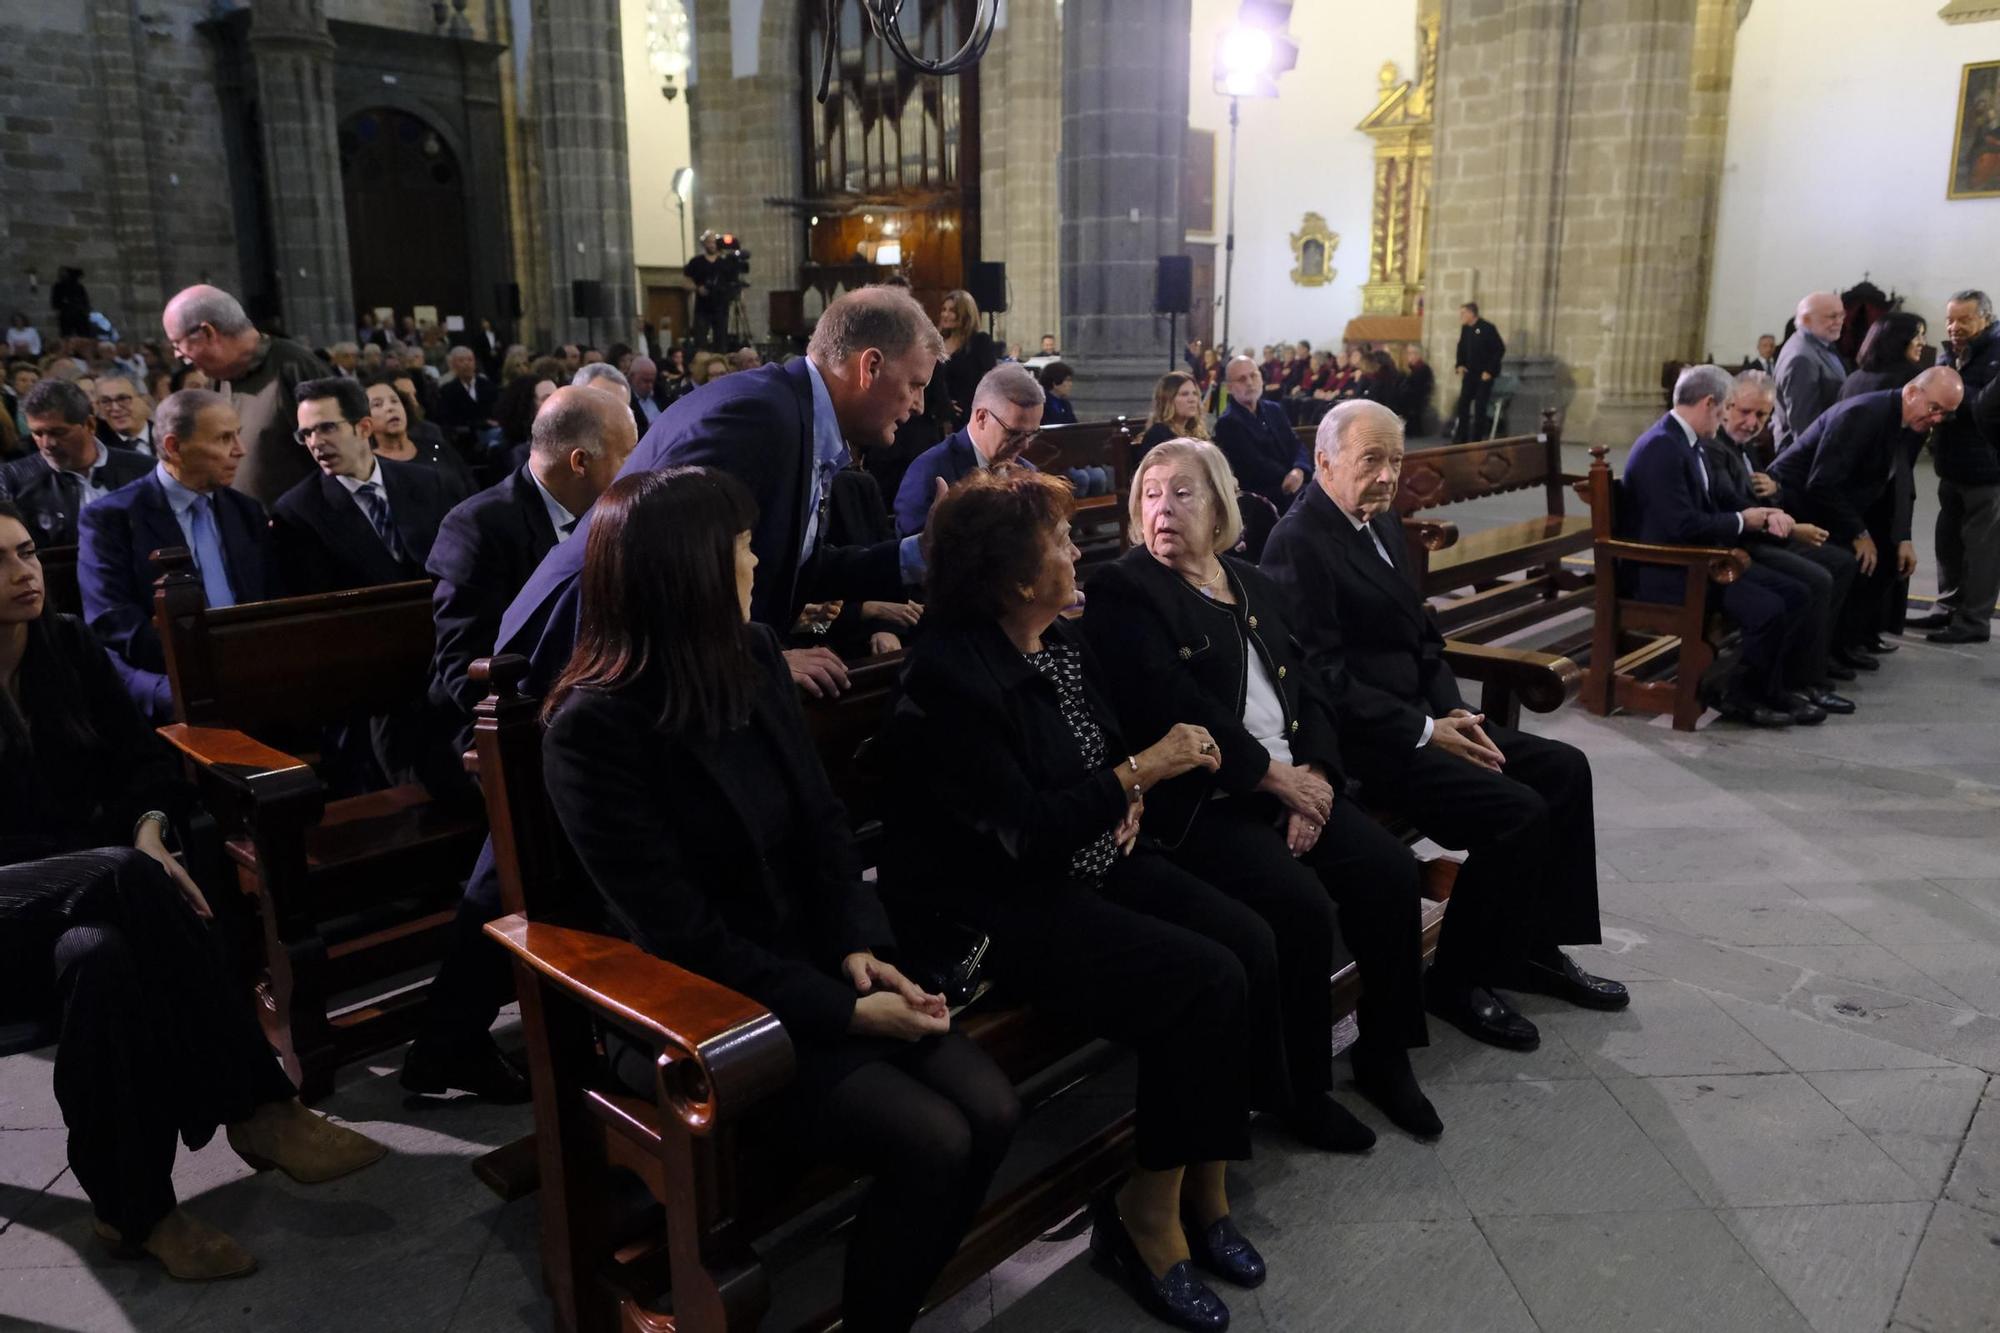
52,520
114,572
458,410
1852,455
326,544
1481,350
1261,448
658,822
1171,655
486,549
1367,633
995,798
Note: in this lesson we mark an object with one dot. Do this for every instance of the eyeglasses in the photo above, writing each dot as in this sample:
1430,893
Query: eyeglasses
181,344
1019,439
114,400
330,429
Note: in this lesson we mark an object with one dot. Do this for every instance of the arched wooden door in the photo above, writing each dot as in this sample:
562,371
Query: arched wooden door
406,215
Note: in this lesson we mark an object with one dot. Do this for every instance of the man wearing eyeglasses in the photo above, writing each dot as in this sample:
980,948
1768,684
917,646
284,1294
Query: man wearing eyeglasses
360,520
124,416
208,328
1006,413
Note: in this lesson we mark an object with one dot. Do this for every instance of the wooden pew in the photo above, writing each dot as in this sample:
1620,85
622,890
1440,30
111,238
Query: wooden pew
59,579
699,1143
353,893
1100,520
1649,657
1489,604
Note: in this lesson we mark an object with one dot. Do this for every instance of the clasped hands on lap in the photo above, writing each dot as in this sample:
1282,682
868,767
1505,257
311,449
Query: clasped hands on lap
892,1005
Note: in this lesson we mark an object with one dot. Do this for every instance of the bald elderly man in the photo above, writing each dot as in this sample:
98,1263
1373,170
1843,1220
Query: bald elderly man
1810,370
1520,805
208,328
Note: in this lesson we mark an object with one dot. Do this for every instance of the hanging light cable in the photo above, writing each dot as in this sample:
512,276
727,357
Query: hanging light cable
884,18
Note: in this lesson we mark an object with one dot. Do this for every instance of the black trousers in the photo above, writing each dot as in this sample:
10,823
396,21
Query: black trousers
475,978
1828,574
1357,873
1530,876
1474,399
1135,961
1778,621
156,1040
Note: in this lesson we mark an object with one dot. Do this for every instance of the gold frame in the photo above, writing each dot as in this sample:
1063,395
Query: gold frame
1314,231
1961,119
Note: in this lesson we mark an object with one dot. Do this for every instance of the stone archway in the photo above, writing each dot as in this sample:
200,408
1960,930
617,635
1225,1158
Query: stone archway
404,188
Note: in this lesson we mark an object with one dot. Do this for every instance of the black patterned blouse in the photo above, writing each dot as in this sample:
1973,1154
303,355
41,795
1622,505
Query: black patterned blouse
1062,666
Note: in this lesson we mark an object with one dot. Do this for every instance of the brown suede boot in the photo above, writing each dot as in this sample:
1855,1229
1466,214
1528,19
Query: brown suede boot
188,1248
306,1147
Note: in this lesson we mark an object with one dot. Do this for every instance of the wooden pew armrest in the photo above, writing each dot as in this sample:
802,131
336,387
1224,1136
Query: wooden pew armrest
1433,534
1723,564
1542,682
249,774
721,1052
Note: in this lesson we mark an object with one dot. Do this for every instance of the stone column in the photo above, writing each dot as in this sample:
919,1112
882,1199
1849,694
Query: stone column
1124,126
292,55
130,144
1020,119
577,100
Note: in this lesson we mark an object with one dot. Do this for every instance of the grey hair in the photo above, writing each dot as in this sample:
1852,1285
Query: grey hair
179,413
565,423
601,370
54,397
352,349
1698,383
638,361
211,306
1333,427
1009,382
461,347
1753,379
1980,300
887,319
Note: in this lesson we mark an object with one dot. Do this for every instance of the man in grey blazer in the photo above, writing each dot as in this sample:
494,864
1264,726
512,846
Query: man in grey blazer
1810,370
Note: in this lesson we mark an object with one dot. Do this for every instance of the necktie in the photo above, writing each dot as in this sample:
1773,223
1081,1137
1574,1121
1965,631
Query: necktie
75,493
208,553
376,506
1380,549
1701,466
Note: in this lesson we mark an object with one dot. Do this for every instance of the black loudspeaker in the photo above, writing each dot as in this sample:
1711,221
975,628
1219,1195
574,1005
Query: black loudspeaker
507,300
589,300
989,287
1173,285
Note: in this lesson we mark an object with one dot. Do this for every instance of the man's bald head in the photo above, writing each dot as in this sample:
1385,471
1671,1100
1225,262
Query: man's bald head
208,327
577,417
1821,315
1931,397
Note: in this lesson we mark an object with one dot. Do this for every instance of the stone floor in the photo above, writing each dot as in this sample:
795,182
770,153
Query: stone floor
1794,1127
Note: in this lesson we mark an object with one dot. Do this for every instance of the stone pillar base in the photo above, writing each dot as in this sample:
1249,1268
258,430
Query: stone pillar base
1622,418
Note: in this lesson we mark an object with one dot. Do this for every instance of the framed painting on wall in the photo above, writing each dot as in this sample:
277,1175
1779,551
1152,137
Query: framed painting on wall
1975,150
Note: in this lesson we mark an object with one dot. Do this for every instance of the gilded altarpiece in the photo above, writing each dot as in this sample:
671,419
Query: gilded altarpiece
1399,231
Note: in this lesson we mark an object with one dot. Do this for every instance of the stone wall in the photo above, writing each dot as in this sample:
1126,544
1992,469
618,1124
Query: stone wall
1020,140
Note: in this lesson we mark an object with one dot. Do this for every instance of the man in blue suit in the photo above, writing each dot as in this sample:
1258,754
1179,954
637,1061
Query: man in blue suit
1257,438
1672,502
185,500
1006,412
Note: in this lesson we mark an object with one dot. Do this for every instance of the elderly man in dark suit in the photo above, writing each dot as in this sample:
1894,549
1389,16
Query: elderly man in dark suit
1671,502
1520,804
71,468
1256,437
488,546
185,501
1006,411
1966,451
465,398
1850,473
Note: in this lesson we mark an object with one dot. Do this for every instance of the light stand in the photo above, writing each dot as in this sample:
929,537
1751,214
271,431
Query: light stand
1248,61
1229,235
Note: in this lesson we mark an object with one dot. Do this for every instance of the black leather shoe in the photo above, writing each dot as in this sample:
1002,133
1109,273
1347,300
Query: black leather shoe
1856,661
1561,977
1805,713
1177,1296
1935,620
1835,671
1391,1085
1829,701
1221,1249
1953,634
1879,646
1741,708
481,1069
1318,1121
1483,1016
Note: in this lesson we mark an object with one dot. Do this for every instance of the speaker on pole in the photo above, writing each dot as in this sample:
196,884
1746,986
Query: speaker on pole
1173,285
988,287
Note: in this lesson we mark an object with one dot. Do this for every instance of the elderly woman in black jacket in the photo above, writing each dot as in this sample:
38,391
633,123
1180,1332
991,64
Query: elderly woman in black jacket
1022,802
678,762
1188,634
102,934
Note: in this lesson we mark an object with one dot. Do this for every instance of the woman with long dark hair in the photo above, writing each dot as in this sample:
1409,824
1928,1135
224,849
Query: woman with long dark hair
679,764
1892,354
102,936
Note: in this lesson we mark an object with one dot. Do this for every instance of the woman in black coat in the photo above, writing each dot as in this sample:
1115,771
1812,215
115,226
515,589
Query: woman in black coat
679,764
1186,633
102,935
969,353
1019,808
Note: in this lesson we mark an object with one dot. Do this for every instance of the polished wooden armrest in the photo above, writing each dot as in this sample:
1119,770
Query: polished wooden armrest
721,1052
1724,564
1433,534
243,764
1542,682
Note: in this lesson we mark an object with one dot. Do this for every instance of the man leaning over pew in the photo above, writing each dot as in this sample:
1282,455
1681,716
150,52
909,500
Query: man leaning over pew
186,500
1519,804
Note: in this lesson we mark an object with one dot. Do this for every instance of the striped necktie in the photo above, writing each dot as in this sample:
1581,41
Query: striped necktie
376,506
